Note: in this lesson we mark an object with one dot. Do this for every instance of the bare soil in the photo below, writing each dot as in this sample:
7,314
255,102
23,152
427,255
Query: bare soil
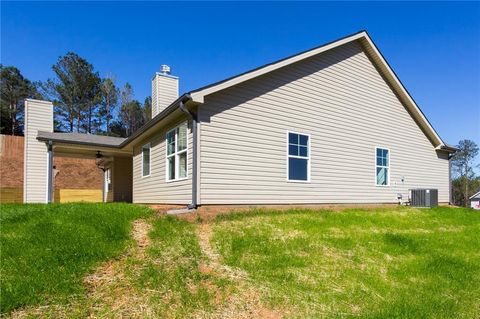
246,303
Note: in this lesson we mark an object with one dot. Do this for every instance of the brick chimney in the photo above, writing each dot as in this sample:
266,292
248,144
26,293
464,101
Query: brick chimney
164,90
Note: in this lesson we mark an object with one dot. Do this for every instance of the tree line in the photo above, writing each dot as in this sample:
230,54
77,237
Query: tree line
465,182
83,101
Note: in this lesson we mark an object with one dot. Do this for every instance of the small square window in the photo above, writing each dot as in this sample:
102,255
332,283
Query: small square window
293,150
303,140
293,138
303,151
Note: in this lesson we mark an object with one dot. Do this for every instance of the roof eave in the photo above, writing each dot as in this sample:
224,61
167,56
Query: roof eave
400,89
160,116
199,94
59,140
475,195
447,148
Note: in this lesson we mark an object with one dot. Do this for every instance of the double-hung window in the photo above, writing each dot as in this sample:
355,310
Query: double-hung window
298,157
176,141
382,166
146,160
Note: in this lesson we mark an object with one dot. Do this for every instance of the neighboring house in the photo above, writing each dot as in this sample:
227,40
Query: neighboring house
475,201
332,124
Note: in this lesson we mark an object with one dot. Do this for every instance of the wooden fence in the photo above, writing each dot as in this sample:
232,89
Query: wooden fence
10,195
78,195
78,179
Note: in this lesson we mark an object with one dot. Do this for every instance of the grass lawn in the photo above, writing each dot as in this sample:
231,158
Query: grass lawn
382,263
395,262
46,250
173,275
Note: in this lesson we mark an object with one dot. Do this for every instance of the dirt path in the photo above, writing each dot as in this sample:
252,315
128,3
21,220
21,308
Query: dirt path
245,303
110,293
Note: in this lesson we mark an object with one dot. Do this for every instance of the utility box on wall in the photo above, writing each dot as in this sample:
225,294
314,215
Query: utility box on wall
424,197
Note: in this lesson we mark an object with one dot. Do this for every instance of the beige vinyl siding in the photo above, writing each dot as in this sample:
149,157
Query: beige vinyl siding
164,92
154,188
38,117
348,109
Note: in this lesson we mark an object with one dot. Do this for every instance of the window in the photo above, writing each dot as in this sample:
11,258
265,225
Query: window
146,160
382,167
298,157
176,142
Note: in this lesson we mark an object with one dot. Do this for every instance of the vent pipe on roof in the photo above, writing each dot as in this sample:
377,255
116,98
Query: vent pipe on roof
165,69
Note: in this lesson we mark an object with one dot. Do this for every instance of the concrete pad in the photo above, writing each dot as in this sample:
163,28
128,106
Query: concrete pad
180,211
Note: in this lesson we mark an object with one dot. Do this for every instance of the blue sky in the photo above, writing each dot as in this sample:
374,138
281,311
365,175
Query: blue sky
433,47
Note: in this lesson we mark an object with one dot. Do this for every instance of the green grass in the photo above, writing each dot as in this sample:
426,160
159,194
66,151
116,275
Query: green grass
46,250
172,273
377,263
382,263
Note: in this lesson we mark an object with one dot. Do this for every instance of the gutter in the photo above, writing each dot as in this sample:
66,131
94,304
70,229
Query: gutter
172,107
50,186
49,139
194,117
447,148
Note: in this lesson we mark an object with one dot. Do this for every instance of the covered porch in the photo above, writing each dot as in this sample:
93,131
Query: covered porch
115,163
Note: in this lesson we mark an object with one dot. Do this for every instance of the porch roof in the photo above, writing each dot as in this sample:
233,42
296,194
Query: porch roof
82,139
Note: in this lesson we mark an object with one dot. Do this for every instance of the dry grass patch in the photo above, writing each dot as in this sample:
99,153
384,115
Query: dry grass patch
379,263
245,301
109,291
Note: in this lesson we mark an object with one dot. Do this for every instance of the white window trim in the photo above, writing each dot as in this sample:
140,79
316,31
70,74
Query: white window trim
150,162
176,154
302,157
389,165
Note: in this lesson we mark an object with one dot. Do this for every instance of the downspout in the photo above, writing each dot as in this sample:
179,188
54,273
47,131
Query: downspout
194,118
50,172
450,188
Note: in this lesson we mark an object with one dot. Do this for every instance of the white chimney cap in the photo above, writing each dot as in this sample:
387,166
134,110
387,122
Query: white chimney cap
165,69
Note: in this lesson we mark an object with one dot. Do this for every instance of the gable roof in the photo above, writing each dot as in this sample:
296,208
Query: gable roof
371,50
476,195
197,96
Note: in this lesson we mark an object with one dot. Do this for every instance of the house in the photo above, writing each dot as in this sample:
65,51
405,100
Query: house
475,201
333,124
